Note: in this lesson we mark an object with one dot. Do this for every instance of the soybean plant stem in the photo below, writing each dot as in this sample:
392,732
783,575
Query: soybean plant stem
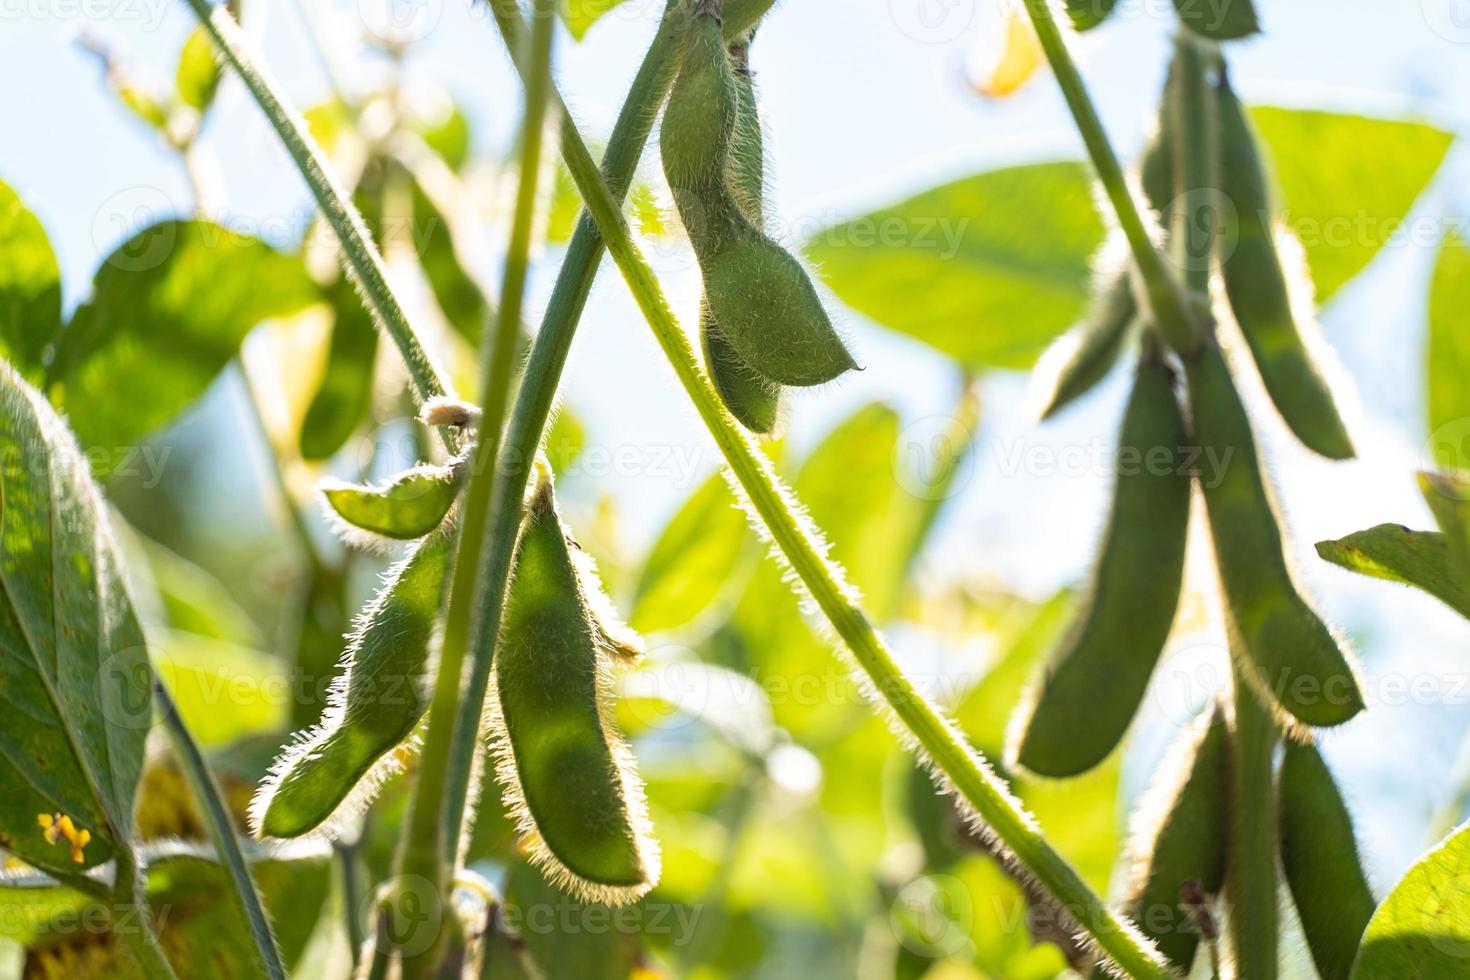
452,739
221,829
359,256
128,890
795,540
1250,872
1169,307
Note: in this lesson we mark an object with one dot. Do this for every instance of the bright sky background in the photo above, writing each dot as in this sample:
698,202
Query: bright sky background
865,102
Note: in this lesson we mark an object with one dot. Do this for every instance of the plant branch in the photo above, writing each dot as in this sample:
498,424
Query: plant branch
128,890
1250,872
796,542
221,829
360,257
1170,309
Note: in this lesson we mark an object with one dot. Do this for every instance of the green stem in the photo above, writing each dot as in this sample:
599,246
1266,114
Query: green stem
1250,872
221,829
360,257
793,537
1170,309
451,742
129,891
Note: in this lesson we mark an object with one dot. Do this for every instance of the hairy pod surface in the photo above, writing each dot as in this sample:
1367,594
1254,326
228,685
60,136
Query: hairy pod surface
754,401
1182,840
568,778
1288,650
1115,643
373,707
409,506
1319,855
760,297
1260,297
1081,358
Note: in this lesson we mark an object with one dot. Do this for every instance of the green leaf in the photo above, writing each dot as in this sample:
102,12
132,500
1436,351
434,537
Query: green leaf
169,310
1422,930
194,601
1422,559
580,15
1219,20
197,78
202,934
1447,357
30,287
691,562
565,440
449,136
1347,182
460,298
344,397
988,269
74,672
409,506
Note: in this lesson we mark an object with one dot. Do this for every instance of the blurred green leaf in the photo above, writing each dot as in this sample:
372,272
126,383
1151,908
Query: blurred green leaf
449,136
74,670
1421,929
1347,183
224,691
459,296
580,15
169,310
197,78
1422,559
194,601
565,441
988,269
692,560
344,398
1447,358
30,287
568,938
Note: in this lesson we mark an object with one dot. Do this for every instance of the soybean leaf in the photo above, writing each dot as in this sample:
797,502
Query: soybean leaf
192,600
168,311
1448,497
1419,558
449,136
345,395
74,671
1220,20
1346,182
580,15
460,298
202,934
1447,359
691,562
565,441
197,77
30,287
988,269
1421,929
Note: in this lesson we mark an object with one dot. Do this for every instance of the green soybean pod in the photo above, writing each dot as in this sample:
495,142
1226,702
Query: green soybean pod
567,777
1066,728
408,506
333,770
1084,355
1156,172
1289,652
754,401
1319,854
1179,837
1260,298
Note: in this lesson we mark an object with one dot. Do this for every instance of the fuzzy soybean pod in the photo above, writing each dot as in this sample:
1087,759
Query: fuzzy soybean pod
1181,838
1082,357
332,770
1116,641
406,507
1260,298
1319,855
760,297
754,401
1288,652
567,777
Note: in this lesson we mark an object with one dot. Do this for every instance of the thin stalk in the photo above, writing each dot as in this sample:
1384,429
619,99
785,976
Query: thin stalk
128,890
1250,872
359,256
226,843
451,744
796,542
1171,311
352,895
